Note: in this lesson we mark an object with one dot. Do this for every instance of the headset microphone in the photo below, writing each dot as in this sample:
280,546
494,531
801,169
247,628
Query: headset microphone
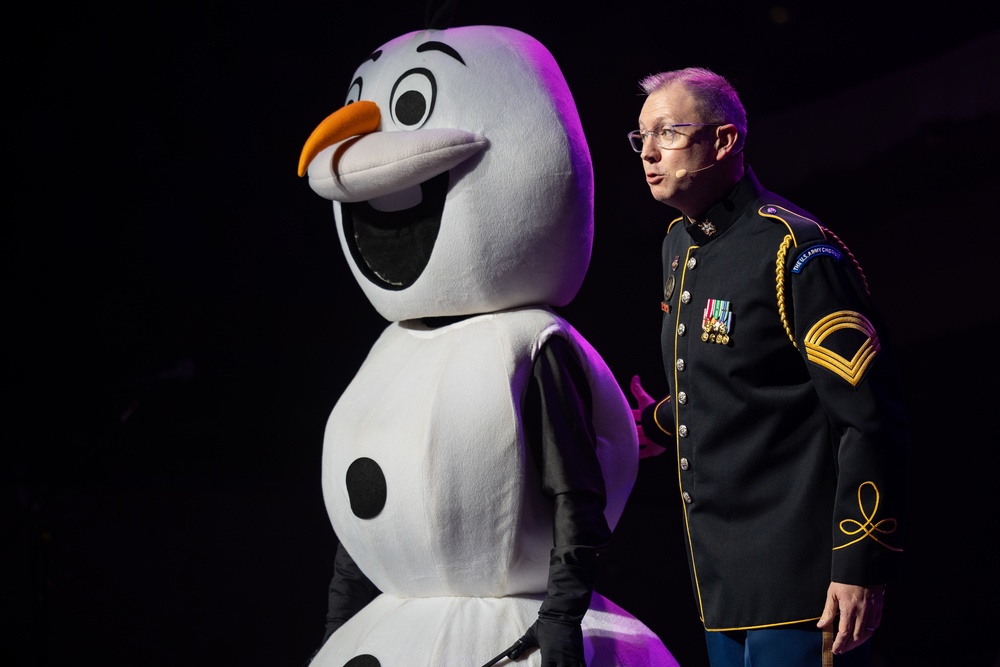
681,173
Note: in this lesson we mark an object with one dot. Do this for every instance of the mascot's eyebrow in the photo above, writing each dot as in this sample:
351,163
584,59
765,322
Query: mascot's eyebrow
442,47
375,55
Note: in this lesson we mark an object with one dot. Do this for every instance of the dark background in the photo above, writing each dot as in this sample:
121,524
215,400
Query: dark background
178,319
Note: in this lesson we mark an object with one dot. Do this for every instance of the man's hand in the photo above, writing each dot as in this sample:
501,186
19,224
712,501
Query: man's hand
643,400
860,611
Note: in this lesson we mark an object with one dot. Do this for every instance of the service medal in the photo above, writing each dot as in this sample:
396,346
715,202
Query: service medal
668,288
716,322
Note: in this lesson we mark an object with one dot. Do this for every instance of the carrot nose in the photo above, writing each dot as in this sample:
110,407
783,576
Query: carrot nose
359,117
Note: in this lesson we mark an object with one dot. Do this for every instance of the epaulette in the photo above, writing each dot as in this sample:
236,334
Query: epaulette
801,228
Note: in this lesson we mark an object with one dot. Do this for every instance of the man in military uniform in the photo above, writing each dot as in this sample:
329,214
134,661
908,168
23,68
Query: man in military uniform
785,408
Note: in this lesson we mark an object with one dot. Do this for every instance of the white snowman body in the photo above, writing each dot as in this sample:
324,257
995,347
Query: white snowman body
462,189
460,546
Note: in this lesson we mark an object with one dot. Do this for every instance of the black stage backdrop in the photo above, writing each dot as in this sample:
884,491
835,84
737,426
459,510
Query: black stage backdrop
179,320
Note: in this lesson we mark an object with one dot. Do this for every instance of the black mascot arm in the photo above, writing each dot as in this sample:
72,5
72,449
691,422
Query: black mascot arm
560,432
350,590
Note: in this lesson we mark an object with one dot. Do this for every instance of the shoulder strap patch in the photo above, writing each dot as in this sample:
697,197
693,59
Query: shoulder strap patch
820,250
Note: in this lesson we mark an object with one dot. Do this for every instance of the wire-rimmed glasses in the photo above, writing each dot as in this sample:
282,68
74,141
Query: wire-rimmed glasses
663,136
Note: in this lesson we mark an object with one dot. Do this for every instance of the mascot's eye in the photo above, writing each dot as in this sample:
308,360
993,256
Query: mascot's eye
413,99
354,93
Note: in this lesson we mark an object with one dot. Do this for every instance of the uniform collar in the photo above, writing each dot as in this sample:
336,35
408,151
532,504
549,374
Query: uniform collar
727,211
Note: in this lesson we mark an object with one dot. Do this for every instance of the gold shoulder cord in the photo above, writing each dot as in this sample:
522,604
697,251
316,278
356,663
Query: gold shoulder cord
780,272
843,246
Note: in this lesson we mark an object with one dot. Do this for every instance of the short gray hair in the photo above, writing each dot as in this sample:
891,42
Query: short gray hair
716,100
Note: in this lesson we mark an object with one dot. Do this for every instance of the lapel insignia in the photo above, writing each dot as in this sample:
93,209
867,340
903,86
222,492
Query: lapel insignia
706,227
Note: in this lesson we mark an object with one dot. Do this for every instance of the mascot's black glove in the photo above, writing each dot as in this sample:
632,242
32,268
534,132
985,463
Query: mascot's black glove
557,632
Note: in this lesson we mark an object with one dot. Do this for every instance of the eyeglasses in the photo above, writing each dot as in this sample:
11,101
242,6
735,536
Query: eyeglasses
663,136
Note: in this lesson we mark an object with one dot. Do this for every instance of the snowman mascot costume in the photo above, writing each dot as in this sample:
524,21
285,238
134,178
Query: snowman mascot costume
476,464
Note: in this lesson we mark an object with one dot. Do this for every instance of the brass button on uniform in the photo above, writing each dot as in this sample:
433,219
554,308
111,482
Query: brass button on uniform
682,397
680,364
692,263
685,297
681,329
684,464
687,497
682,431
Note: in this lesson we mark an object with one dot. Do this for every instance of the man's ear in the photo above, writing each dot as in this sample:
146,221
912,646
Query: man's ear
726,139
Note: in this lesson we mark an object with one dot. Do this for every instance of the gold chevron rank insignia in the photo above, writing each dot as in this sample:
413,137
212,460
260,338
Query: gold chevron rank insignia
853,369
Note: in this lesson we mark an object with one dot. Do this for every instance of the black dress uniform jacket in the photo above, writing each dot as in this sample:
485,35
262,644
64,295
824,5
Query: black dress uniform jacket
785,411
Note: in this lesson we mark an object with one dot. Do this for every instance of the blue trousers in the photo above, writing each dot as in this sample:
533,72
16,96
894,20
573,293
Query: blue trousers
780,647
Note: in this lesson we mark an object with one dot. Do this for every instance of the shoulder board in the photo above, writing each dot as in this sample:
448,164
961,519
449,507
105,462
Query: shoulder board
802,229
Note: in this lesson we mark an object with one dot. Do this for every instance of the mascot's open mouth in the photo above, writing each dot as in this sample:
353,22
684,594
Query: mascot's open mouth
392,248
